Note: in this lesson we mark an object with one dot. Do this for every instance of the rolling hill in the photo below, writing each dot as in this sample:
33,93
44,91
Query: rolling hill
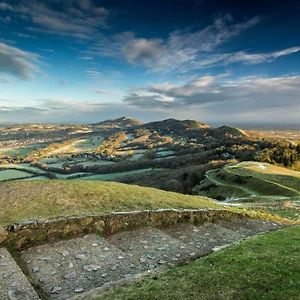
174,125
251,180
121,123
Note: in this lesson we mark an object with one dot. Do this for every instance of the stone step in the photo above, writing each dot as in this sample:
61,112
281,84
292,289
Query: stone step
13,283
152,247
72,268
249,227
203,238
67,268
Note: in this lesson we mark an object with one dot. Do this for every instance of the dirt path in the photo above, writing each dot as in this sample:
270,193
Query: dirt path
266,180
218,182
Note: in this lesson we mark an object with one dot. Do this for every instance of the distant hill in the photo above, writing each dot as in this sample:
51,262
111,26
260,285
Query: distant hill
227,131
175,125
123,122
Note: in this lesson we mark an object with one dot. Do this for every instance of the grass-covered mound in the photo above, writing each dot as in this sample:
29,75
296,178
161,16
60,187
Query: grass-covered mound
263,267
253,180
22,200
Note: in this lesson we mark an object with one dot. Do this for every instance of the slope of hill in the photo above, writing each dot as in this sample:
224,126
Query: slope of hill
227,131
123,122
21,200
251,180
175,125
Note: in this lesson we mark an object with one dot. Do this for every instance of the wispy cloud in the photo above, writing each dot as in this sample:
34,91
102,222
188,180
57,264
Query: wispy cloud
79,18
17,62
185,51
181,51
250,93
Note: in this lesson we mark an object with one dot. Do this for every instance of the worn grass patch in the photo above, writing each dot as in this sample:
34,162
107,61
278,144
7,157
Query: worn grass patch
264,267
22,200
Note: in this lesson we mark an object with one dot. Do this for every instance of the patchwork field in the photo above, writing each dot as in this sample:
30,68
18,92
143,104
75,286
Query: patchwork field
13,174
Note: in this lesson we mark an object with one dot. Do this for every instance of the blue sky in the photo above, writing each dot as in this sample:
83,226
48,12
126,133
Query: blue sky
215,61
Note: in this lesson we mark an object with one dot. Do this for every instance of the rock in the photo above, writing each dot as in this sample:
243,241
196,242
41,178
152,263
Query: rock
64,253
35,269
6,275
114,268
79,290
80,256
91,268
106,249
3,235
143,260
71,275
56,289
162,262
151,266
104,275
45,258
86,221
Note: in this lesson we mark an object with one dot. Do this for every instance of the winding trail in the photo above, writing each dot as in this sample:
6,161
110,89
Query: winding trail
218,182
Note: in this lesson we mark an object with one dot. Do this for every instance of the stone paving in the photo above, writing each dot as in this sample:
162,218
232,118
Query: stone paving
71,268
13,283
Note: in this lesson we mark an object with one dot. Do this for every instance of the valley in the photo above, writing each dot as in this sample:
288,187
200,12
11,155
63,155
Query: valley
107,204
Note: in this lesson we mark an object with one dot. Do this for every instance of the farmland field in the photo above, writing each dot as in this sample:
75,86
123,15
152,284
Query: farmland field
13,174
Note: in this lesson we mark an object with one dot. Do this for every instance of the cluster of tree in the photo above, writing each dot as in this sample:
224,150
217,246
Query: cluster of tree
279,153
181,180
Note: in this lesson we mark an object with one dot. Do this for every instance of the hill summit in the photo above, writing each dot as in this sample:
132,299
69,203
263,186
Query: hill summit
176,125
123,122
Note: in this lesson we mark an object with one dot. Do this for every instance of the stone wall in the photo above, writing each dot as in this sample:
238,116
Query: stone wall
25,234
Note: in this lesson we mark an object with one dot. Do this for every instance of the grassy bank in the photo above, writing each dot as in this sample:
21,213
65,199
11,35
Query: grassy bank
264,267
21,200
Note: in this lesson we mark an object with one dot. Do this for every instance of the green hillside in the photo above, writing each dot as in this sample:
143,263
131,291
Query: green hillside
251,179
20,200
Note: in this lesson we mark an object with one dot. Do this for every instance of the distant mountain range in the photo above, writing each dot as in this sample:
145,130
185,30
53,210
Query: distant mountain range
180,127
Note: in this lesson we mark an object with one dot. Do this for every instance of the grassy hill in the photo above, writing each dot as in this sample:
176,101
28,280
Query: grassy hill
251,179
175,125
264,267
256,185
21,200
123,122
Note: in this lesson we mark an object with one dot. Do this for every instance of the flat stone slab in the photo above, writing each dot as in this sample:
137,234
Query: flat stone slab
249,227
68,268
13,283
203,238
151,247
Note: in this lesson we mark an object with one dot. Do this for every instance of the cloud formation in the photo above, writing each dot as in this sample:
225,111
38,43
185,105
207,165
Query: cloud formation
184,51
79,18
247,93
17,62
